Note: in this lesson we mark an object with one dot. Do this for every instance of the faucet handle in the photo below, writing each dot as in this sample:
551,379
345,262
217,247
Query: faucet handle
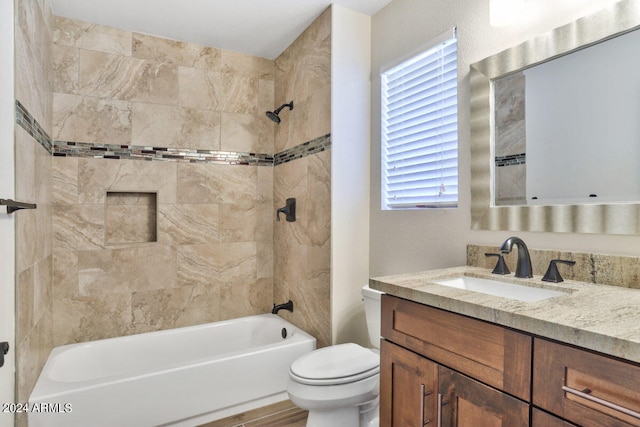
501,265
552,274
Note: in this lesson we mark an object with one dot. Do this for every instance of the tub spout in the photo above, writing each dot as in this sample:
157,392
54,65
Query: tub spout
286,306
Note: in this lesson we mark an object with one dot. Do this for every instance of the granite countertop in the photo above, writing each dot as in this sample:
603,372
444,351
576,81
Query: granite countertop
597,317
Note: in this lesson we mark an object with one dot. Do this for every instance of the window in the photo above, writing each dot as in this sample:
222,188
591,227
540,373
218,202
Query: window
420,129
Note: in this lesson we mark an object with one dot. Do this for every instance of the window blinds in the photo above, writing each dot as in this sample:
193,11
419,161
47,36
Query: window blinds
420,130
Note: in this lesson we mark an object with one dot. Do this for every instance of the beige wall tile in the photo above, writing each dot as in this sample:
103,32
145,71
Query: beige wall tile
24,300
65,69
206,183
26,248
132,79
42,287
90,119
211,90
240,222
97,176
91,318
65,274
302,249
310,119
303,74
25,161
173,308
215,222
211,264
126,270
265,185
33,61
290,180
65,181
74,33
168,126
246,133
266,94
264,259
34,350
33,67
245,298
241,63
188,224
168,51
78,227
318,200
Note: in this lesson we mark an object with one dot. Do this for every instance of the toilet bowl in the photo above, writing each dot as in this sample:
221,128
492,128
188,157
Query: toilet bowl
339,385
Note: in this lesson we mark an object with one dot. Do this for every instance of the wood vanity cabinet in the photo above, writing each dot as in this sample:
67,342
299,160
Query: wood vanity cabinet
430,358
444,369
589,389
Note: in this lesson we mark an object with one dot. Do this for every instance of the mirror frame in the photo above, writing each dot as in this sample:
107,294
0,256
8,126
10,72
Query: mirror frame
616,218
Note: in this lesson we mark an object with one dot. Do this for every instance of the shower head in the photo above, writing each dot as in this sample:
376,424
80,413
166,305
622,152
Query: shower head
273,115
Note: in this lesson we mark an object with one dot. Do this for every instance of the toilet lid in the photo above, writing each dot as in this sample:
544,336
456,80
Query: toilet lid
336,364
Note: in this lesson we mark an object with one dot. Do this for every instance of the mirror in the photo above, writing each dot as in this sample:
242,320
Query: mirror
527,194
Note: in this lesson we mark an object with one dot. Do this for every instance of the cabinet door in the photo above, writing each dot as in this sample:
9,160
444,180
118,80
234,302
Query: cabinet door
407,388
468,403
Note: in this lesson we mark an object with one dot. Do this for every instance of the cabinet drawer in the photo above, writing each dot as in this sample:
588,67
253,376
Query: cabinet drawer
490,353
586,388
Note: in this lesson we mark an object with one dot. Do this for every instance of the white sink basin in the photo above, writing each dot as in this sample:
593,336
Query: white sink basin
500,289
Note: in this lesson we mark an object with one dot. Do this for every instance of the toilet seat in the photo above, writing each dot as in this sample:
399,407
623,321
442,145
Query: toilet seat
335,365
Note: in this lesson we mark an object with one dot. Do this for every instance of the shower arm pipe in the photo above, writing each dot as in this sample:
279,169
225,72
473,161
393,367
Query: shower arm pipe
13,206
277,110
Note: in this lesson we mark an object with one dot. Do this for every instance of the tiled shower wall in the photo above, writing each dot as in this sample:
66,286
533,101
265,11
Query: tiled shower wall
212,257
33,29
303,248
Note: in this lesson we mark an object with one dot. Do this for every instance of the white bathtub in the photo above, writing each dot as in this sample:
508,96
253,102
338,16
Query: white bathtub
178,377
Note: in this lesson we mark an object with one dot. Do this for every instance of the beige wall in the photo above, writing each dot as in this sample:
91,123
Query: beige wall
302,249
33,23
213,258
425,239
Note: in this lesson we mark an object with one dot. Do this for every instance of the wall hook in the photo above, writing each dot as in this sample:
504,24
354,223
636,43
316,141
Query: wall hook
289,210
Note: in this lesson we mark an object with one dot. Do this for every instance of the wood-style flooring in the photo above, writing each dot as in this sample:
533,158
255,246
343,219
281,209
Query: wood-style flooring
283,414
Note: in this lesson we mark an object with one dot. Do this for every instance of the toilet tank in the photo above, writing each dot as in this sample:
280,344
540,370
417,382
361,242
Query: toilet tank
372,307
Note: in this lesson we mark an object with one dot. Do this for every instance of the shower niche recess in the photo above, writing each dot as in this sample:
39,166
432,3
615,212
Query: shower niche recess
131,217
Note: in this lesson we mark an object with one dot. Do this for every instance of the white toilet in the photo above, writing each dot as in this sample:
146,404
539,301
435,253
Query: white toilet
339,385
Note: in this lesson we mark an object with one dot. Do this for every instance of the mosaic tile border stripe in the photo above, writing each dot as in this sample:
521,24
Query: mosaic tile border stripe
514,159
308,148
132,152
33,128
